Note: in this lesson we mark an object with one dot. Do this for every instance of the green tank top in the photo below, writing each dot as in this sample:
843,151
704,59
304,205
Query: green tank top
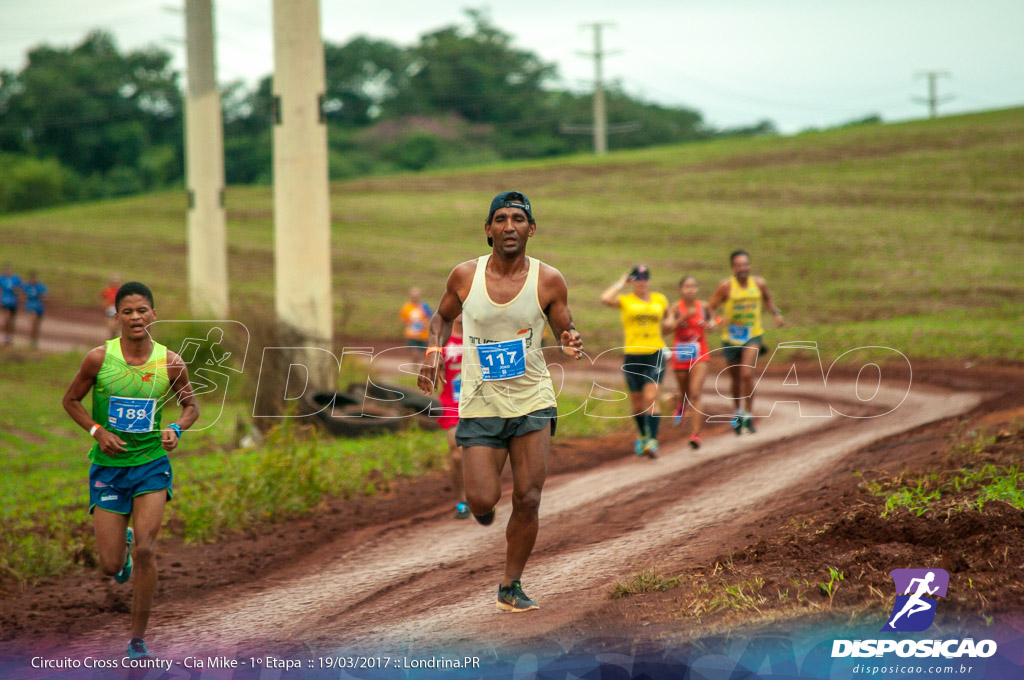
128,401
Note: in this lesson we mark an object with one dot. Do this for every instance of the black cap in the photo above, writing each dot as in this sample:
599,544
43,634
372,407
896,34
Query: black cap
509,199
639,273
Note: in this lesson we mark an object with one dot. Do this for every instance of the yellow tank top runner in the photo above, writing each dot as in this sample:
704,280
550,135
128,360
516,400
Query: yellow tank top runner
641,322
504,373
742,312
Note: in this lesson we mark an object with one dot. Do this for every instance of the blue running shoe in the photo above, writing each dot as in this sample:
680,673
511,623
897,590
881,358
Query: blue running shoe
737,425
461,511
638,447
126,570
137,649
513,599
749,424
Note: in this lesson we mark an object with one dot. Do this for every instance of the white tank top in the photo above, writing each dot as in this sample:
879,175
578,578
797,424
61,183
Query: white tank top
504,373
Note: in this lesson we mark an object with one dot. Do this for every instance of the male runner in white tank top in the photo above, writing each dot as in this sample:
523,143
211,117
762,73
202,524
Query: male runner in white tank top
507,408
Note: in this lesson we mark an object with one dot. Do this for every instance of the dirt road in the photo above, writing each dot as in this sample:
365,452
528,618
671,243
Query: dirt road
425,582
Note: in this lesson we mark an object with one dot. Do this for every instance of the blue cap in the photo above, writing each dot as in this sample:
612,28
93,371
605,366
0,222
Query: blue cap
509,199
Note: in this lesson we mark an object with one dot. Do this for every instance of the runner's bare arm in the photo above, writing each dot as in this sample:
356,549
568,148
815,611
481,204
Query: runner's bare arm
177,372
610,296
84,381
709,317
431,378
719,297
554,299
769,303
671,320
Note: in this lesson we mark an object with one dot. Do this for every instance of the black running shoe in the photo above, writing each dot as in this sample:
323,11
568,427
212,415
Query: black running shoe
748,423
487,518
513,599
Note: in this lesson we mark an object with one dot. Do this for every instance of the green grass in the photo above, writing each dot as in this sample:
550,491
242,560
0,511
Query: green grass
646,580
44,526
968,487
905,235
711,598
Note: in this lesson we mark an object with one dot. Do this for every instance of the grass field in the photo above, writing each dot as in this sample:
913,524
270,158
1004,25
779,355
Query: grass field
906,236
903,235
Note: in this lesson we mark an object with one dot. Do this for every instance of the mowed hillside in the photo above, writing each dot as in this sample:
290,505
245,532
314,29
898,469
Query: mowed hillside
906,235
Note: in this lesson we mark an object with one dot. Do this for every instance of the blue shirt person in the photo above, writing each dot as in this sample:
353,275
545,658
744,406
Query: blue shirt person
10,283
35,295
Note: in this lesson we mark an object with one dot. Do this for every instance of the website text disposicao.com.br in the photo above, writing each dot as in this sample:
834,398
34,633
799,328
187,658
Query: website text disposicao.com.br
901,670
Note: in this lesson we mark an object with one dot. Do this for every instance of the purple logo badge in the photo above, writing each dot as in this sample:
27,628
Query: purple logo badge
916,590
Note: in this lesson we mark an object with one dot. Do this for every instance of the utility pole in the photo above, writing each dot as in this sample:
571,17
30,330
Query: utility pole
600,117
204,154
302,212
933,100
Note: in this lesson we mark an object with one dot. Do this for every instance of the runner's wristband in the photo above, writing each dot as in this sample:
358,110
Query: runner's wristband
176,428
435,348
92,430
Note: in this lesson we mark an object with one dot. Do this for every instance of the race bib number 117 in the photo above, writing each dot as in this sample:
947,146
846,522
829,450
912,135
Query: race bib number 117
502,360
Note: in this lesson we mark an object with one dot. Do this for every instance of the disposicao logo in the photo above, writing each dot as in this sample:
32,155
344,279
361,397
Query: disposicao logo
914,609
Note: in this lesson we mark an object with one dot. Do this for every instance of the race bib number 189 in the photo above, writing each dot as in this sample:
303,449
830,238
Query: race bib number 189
126,414
502,360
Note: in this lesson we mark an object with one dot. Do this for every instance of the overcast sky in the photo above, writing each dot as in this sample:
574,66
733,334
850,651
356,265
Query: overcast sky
799,63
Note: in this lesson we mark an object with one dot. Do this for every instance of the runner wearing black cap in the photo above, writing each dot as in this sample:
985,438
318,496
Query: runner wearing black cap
643,360
507,408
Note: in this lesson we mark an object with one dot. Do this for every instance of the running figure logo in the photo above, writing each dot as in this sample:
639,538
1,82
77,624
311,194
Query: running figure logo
914,609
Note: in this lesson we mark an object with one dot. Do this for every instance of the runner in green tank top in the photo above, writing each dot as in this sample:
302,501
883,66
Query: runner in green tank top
131,378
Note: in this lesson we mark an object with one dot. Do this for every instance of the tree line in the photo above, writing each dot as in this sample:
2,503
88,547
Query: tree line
93,121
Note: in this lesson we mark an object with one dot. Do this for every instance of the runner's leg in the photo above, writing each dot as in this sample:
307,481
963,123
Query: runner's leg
148,514
9,324
109,528
748,360
529,456
481,471
651,408
694,394
639,414
455,467
681,378
37,323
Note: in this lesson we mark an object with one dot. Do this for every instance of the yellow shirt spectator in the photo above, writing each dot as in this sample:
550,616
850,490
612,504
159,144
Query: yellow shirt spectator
641,322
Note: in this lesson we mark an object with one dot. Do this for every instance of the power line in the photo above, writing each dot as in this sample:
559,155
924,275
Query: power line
933,99
600,117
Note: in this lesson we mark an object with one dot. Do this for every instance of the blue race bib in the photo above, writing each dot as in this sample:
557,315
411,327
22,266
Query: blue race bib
687,351
739,334
127,414
502,360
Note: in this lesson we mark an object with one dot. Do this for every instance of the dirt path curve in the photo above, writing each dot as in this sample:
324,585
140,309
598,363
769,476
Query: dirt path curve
425,583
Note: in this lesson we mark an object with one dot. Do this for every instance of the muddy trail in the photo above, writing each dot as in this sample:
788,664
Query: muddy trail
418,580
397,574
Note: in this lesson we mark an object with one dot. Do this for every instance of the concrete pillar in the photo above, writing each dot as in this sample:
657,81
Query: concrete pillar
302,218
204,157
